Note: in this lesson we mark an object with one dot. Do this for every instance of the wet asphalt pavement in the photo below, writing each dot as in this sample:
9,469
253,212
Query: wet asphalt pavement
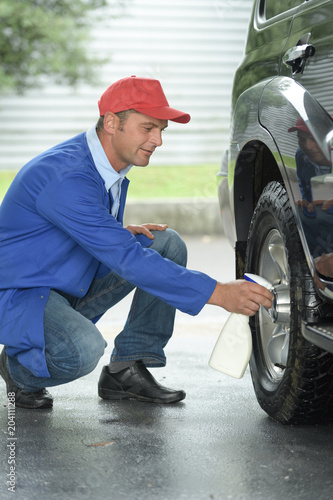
216,444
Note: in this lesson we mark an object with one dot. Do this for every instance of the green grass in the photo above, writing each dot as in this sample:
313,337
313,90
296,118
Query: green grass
6,177
158,182
173,181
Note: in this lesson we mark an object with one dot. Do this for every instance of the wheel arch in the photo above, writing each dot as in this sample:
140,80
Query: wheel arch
254,169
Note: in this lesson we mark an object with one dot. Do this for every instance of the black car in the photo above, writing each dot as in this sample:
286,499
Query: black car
276,198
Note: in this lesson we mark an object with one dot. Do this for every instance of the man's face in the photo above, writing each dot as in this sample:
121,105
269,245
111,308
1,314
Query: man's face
311,149
136,140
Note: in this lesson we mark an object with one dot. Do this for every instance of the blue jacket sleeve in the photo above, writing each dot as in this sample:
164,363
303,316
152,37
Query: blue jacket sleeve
73,203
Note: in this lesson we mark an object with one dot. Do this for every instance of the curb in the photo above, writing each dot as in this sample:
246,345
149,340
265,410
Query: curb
188,216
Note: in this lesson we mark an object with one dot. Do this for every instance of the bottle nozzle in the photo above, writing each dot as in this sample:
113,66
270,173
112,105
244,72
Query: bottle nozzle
259,279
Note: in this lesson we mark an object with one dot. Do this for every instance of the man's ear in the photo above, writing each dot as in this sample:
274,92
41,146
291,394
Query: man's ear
110,122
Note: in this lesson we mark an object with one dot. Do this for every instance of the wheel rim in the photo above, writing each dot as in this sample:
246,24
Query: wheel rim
274,336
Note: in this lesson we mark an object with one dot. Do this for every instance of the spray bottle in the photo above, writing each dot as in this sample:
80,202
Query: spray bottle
233,348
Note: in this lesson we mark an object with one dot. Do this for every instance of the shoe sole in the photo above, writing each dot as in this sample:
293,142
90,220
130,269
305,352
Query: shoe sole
119,395
27,407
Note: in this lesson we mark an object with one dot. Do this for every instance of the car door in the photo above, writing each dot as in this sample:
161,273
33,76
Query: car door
296,108
313,27
312,33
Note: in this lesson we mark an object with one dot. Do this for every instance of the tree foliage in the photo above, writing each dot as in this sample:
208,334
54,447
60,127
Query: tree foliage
45,38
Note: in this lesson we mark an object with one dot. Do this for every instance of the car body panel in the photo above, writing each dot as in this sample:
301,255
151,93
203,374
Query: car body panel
314,19
284,102
273,91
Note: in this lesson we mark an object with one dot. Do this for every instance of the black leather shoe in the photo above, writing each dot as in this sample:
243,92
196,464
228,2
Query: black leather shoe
23,398
135,382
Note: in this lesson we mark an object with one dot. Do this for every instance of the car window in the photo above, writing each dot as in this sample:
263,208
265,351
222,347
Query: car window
273,8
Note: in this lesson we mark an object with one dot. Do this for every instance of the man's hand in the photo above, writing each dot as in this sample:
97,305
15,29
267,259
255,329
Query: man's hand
146,228
326,204
306,204
240,296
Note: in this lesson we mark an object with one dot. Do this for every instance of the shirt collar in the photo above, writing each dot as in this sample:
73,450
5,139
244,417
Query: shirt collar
104,167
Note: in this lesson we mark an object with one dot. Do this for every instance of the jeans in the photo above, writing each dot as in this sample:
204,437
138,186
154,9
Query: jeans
74,345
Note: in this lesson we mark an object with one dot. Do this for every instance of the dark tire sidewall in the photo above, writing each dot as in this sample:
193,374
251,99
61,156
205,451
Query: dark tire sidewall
274,211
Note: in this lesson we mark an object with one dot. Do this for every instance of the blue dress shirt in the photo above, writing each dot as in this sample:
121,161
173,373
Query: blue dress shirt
113,180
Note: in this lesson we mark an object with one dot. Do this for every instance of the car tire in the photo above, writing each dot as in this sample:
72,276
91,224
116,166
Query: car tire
292,379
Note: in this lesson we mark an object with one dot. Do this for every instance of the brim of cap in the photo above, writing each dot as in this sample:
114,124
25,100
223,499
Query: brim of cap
302,129
165,113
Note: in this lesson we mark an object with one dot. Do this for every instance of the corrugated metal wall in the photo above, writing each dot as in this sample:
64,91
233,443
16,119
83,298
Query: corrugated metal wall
192,46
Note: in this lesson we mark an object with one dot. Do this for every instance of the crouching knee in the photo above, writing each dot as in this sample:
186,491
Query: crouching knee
77,360
170,245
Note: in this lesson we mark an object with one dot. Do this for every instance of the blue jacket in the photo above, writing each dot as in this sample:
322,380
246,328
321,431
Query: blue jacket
56,232
305,170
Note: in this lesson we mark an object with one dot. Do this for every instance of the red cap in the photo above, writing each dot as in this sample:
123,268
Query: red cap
300,125
145,95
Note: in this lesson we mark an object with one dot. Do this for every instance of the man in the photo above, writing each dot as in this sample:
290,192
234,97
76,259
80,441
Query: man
65,259
316,215
310,162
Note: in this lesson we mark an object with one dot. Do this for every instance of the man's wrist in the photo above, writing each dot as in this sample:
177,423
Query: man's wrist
216,298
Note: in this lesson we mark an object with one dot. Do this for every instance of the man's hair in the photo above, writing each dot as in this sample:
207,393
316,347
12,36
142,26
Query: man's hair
122,115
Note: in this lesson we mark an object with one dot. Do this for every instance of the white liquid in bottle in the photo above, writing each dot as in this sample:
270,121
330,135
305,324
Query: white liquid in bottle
233,348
